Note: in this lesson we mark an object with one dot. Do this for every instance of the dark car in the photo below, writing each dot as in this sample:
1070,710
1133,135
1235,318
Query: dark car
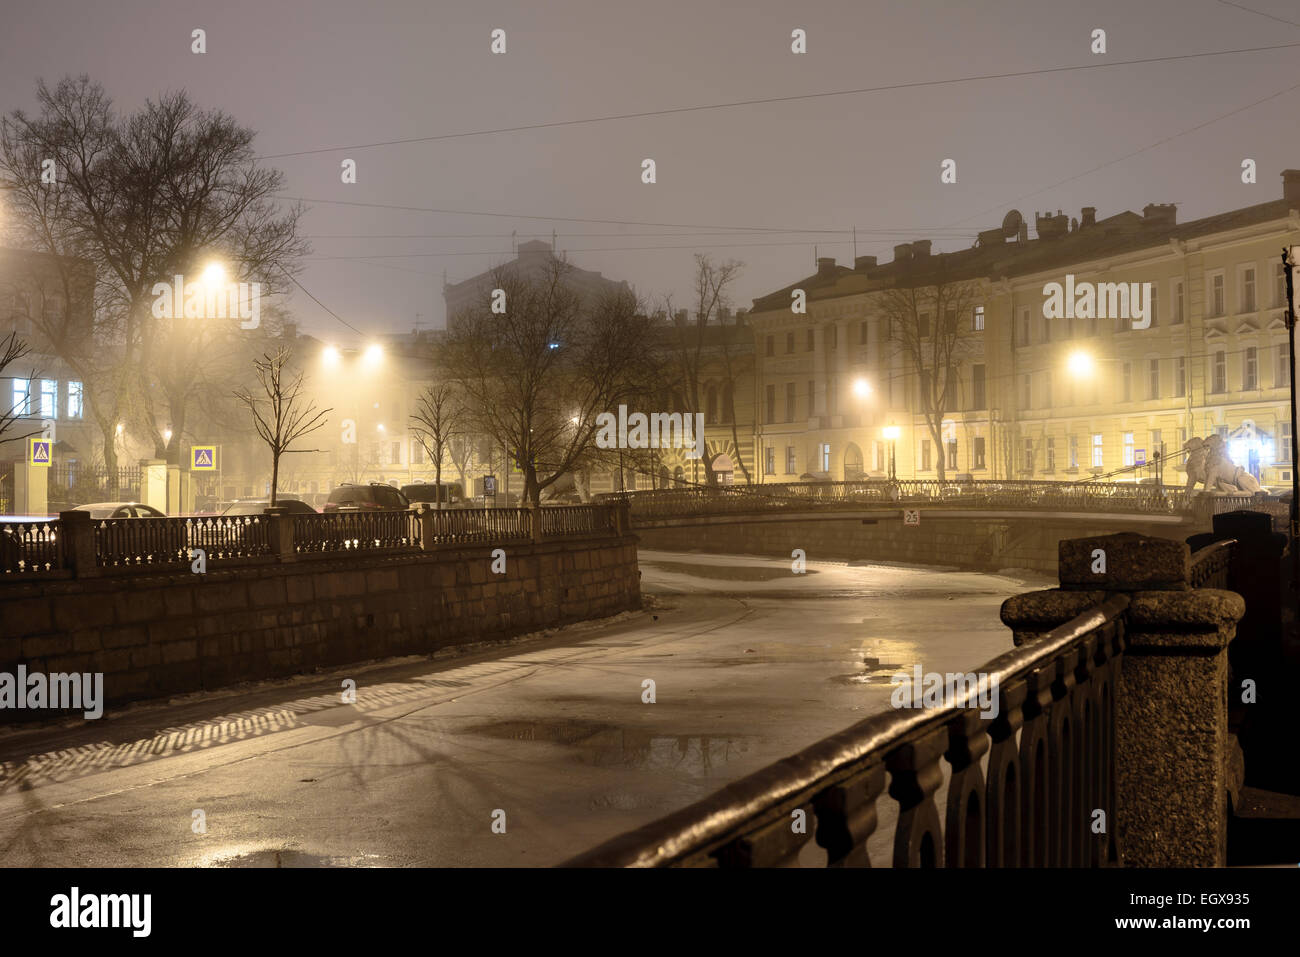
100,510
449,493
258,506
374,497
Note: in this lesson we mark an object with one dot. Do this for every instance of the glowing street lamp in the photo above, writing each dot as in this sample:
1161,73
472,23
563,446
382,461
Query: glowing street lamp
331,357
861,388
1080,365
373,355
214,275
891,433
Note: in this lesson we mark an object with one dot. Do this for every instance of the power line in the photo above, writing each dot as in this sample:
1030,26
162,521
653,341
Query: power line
295,281
915,84
1258,13
1144,149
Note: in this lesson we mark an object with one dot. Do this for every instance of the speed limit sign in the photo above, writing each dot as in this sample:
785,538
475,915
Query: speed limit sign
911,516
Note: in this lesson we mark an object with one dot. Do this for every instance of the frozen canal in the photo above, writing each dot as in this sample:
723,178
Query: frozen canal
750,662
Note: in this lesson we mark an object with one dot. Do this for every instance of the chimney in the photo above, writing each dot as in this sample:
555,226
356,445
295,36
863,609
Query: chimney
1051,227
921,248
1089,217
902,252
825,265
1160,214
1291,185
863,263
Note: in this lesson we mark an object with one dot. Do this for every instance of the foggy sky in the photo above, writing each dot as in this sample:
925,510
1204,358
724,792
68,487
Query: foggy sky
310,75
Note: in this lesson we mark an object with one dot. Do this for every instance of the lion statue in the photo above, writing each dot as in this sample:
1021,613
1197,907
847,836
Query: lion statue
1208,462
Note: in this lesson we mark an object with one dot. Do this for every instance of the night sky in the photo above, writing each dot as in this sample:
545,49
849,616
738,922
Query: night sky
330,73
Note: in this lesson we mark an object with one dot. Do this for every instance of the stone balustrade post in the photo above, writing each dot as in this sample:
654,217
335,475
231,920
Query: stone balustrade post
1173,750
78,534
281,534
535,517
428,521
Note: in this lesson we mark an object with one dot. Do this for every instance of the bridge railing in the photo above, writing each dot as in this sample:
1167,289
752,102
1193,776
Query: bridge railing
1056,774
653,504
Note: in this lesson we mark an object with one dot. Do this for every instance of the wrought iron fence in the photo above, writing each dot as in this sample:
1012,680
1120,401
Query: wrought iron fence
133,542
1050,762
355,531
564,520
72,484
225,537
1210,564
459,526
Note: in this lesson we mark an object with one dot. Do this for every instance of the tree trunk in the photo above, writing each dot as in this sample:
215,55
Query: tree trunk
437,478
275,476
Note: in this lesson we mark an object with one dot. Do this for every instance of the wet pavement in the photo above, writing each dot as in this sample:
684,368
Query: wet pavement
524,753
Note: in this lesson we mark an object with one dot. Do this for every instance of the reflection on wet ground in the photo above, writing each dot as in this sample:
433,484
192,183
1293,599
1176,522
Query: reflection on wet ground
735,573
604,745
289,857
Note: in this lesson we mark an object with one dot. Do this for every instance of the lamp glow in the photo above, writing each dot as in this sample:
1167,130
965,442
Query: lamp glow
861,388
891,432
1080,365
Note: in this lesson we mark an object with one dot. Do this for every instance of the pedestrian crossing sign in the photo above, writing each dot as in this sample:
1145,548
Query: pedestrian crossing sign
203,458
39,452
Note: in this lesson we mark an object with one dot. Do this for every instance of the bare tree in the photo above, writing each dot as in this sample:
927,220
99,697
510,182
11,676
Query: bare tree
707,339
12,349
537,376
283,415
928,314
143,198
435,422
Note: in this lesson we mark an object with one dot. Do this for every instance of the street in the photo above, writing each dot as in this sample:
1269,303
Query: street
546,739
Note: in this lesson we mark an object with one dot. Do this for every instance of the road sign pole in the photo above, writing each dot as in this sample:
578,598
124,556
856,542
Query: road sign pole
1288,267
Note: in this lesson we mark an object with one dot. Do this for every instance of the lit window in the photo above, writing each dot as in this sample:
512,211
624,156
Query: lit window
1250,368
1098,460
978,319
1128,448
49,399
20,396
826,457
75,408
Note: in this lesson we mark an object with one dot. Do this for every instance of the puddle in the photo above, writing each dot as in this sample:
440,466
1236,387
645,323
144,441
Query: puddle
286,857
605,745
874,672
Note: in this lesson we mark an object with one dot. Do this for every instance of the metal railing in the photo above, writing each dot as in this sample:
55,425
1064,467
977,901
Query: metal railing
658,504
561,521
355,531
30,548
134,542
1050,762
1210,564
461,526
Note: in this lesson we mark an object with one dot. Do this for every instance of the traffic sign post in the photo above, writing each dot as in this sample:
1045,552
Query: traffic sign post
203,458
40,452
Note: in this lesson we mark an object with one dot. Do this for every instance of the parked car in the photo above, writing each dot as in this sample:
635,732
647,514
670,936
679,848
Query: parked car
375,497
102,510
257,506
430,493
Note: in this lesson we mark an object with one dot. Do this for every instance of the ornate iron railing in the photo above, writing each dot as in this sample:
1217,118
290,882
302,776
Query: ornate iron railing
456,526
30,548
1022,788
1210,564
225,537
355,531
559,521
129,542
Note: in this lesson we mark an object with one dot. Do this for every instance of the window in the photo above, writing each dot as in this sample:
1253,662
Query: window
49,399
1153,378
1157,441
831,337
1178,302
1074,451
925,455
1126,382
789,402
826,457
76,409
832,397
1026,393
878,455
1180,377
710,404
1279,285
728,402
1024,327
978,451
20,396
1029,455
769,461
1047,388
812,398
862,333
1216,295
1047,329
1051,453
397,453
977,320
923,325
771,404
417,452
1153,305
1283,377
979,399
771,346
789,460
1248,289
1128,448
1219,372
1284,443
1250,368
812,340
926,393
789,342
1098,459
952,454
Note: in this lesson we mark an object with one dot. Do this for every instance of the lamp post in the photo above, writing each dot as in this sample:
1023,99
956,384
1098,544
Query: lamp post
1289,264
891,433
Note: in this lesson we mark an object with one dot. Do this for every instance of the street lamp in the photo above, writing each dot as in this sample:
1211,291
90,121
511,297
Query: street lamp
891,433
861,388
1080,364
1288,267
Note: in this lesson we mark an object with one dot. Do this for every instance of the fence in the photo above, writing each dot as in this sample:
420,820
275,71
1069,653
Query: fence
71,483
74,544
1058,774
